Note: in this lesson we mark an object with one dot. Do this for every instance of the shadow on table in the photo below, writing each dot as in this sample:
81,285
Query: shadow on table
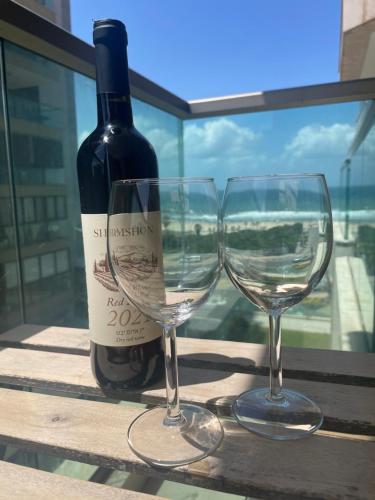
194,370
219,362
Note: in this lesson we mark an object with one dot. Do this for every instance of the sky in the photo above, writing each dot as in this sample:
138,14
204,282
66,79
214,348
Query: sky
210,48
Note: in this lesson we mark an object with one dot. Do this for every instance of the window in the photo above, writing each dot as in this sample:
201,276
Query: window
48,265
31,271
11,275
62,261
51,209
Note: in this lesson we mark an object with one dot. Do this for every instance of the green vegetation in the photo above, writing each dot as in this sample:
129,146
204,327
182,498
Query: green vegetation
277,237
313,340
192,243
273,239
290,338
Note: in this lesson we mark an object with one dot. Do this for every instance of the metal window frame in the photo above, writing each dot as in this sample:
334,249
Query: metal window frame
365,122
313,95
12,184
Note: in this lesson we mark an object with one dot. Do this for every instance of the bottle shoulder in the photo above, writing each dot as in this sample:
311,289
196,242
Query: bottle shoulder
112,135
116,142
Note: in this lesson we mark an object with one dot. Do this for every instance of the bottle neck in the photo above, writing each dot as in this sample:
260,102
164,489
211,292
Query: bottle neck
112,78
114,108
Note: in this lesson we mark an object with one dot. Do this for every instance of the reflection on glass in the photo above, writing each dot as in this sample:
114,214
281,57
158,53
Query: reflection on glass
51,110
356,236
48,265
31,271
163,131
43,138
51,213
309,139
62,261
11,275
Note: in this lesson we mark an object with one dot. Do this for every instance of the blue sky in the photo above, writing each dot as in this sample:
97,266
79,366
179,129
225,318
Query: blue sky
206,48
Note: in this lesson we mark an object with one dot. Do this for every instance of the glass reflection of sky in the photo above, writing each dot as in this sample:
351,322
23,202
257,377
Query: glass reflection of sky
309,139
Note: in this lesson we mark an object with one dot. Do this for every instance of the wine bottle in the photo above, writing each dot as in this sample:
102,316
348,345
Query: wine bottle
126,349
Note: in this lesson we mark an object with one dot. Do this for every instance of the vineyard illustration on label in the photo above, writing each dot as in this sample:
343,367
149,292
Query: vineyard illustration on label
133,264
103,274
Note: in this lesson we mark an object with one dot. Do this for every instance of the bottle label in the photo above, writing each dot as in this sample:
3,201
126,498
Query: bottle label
113,321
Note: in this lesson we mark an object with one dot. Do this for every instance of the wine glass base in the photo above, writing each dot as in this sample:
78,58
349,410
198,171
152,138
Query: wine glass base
163,445
293,416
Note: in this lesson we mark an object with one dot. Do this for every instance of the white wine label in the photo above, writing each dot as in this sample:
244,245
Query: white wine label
112,320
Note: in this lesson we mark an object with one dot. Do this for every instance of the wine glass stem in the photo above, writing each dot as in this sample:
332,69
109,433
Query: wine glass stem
171,377
276,376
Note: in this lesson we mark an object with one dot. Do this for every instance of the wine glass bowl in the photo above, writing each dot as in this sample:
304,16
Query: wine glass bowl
172,274
163,253
277,242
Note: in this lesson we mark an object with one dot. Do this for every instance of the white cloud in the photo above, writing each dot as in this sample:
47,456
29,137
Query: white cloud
369,142
143,123
165,144
218,138
221,148
318,140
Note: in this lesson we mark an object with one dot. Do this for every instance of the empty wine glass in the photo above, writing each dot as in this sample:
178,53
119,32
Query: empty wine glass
163,253
277,242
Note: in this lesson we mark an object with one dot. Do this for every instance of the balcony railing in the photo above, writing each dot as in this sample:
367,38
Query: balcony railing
328,128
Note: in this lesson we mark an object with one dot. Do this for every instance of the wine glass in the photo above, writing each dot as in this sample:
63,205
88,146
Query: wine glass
277,242
163,253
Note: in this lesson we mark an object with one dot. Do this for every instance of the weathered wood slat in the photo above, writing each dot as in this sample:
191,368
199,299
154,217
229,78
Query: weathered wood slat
346,408
94,432
310,364
21,482
352,368
47,338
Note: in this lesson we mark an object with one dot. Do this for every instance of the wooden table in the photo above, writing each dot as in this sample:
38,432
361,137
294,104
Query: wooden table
337,462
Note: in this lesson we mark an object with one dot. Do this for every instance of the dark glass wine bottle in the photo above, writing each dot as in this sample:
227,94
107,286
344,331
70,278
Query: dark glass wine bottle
126,348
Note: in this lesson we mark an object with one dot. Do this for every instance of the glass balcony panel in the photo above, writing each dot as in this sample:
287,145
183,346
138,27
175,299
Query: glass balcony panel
52,109
308,139
42,111
359,234
164,131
